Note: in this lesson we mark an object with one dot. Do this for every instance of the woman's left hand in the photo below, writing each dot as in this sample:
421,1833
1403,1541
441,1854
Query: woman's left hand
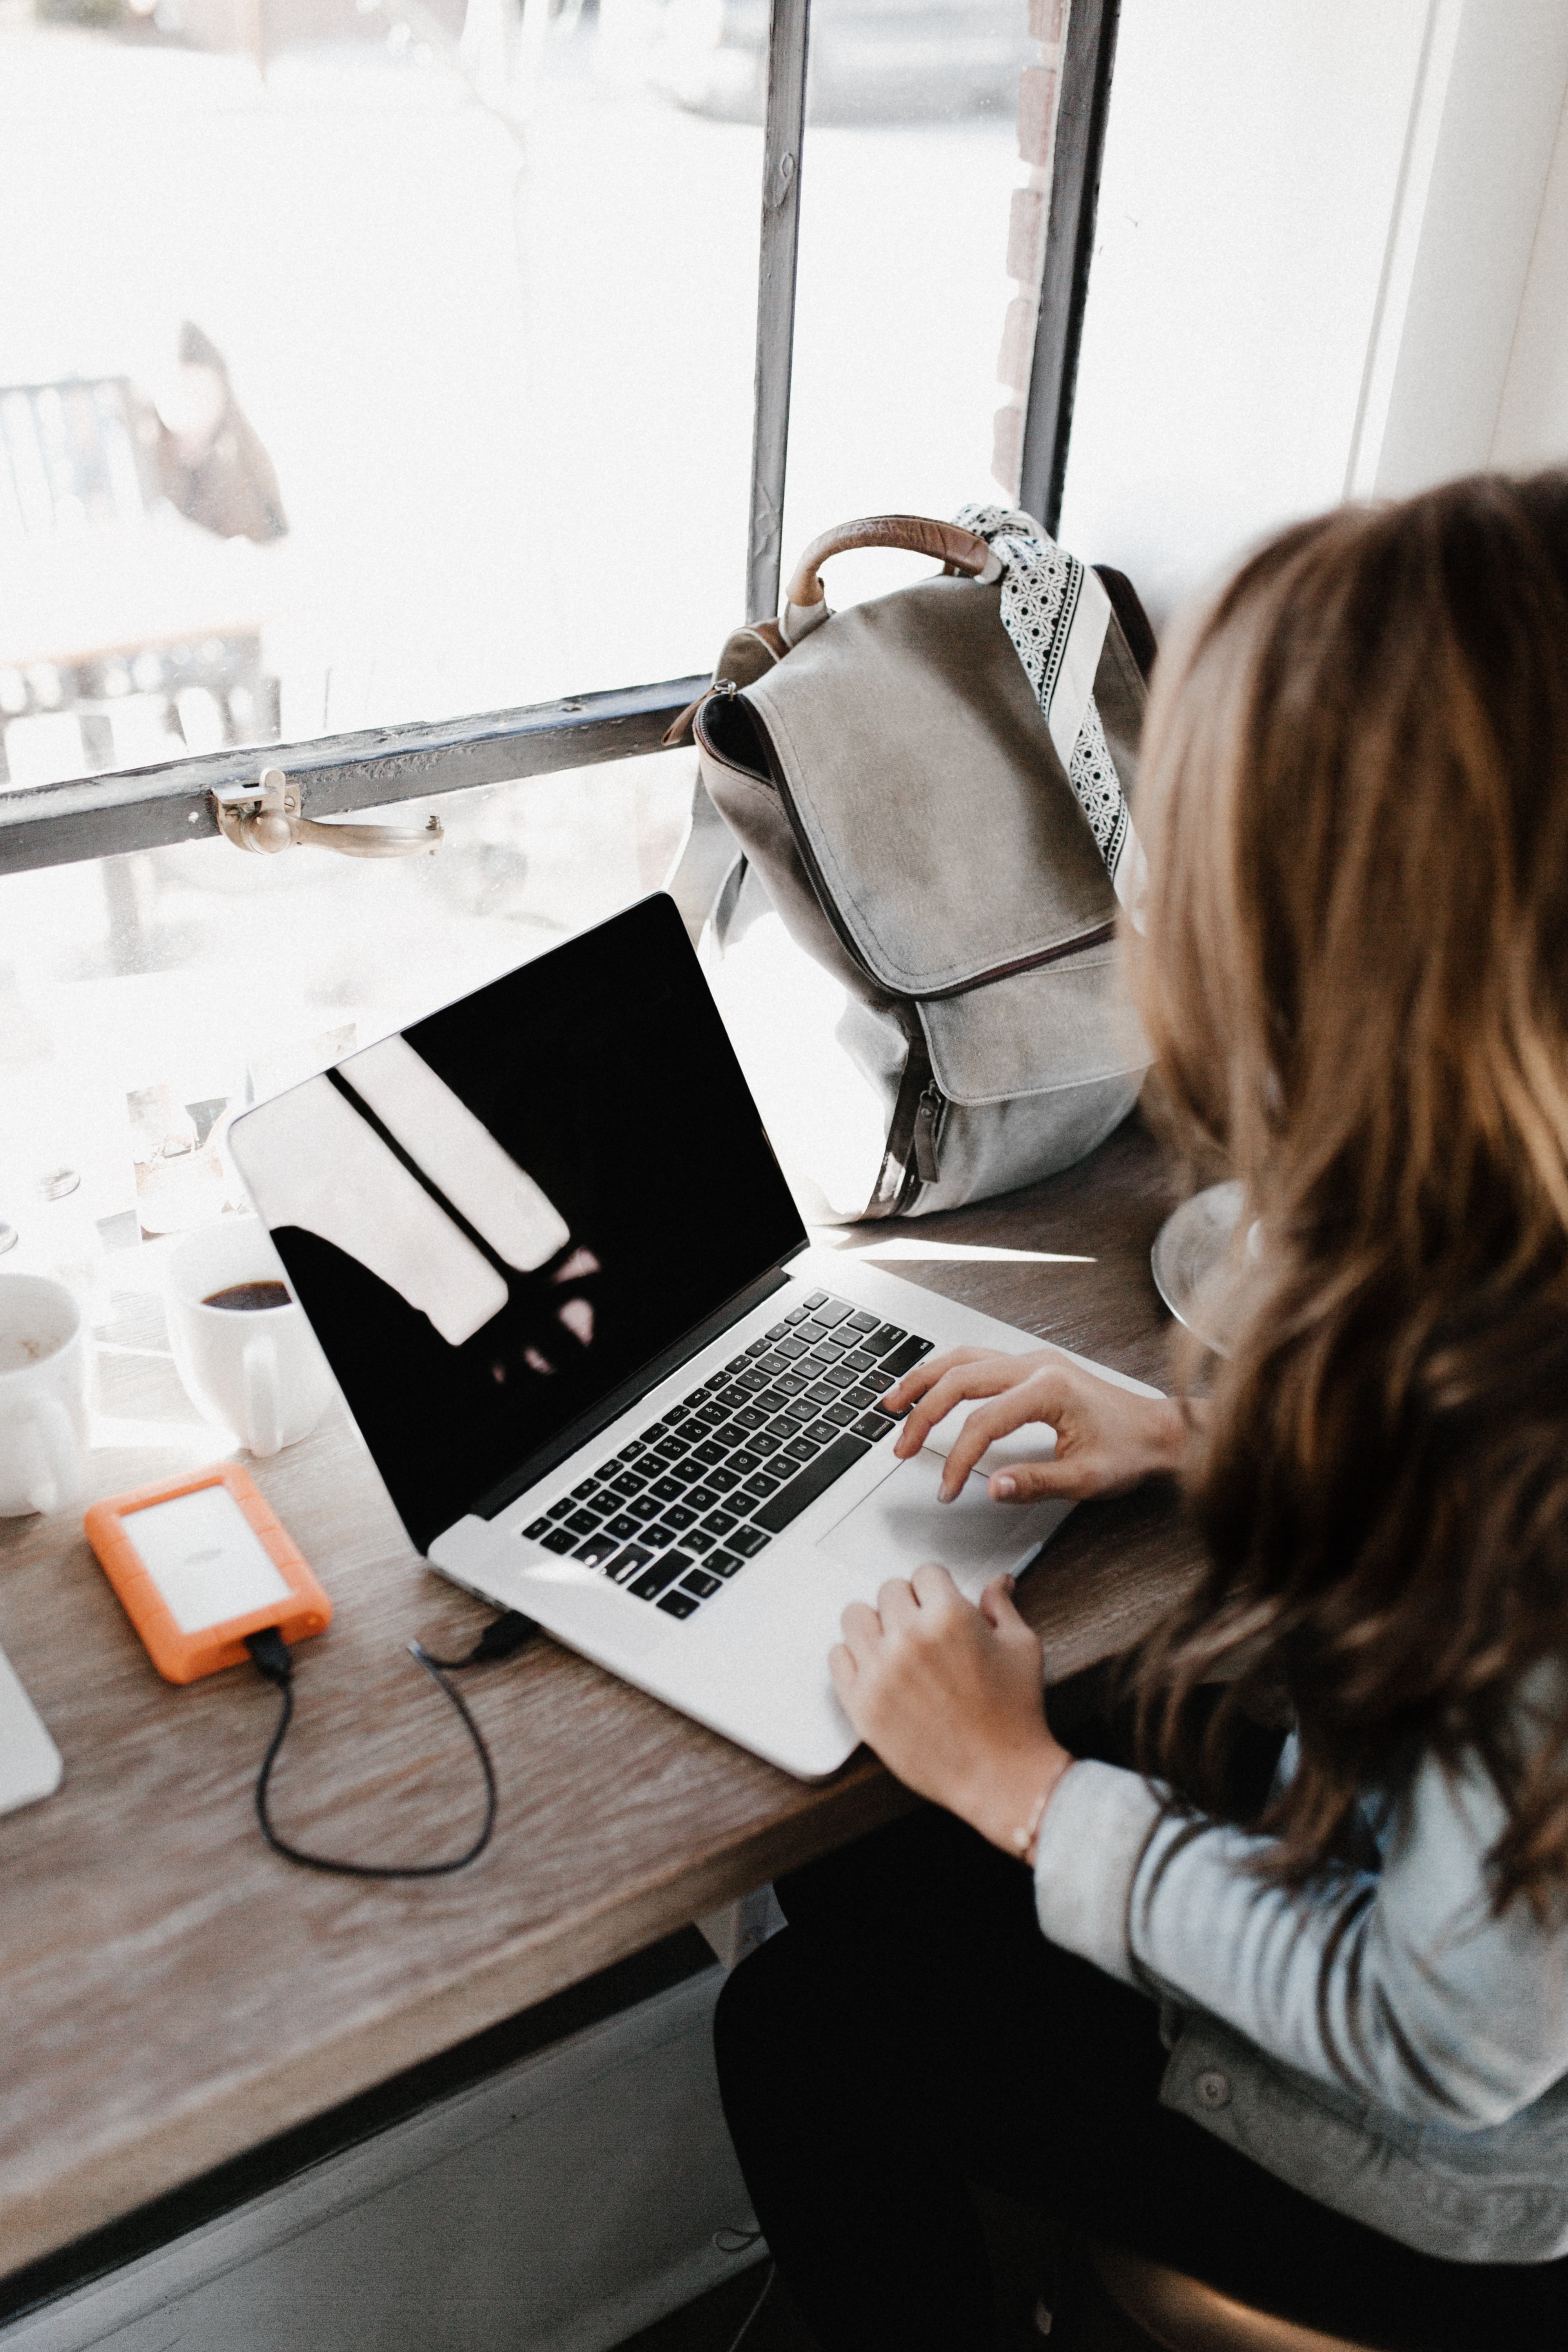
951,1699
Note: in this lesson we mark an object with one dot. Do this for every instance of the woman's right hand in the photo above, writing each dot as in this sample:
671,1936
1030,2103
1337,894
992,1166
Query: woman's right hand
1107,1438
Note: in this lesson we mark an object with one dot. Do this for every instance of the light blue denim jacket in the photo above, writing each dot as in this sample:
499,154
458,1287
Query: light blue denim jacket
1418,2083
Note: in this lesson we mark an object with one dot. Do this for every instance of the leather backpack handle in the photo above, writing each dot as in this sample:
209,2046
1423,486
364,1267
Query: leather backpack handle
947,544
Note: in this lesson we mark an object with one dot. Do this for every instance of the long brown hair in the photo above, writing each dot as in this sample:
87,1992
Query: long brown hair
1355,974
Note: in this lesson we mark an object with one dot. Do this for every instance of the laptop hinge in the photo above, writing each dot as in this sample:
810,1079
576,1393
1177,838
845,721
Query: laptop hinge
642,1382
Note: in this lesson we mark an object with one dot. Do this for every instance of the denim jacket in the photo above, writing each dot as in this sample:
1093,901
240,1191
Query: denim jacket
1413,2074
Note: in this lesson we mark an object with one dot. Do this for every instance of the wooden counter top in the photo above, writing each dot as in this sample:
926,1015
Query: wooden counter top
174,1993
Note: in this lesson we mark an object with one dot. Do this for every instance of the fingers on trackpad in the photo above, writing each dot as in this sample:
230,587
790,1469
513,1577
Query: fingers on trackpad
901,1523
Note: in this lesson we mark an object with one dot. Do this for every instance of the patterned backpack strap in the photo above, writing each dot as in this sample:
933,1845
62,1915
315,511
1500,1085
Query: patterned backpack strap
1056,612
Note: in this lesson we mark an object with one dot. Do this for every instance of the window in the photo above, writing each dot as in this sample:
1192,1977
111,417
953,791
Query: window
376,382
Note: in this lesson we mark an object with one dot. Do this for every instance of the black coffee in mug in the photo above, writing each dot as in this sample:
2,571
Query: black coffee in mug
246,1296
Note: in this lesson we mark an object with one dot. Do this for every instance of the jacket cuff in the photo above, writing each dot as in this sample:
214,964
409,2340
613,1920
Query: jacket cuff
1091,1841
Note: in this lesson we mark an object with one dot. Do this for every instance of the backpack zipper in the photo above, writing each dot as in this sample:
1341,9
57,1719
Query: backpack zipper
927,1119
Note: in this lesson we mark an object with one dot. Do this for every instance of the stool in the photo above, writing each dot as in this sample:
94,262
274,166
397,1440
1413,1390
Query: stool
1184,2315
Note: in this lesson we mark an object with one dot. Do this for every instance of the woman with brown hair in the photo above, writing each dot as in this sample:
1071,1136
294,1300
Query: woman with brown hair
1307,2039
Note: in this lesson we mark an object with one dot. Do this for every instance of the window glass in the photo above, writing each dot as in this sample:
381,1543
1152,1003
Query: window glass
912,159
143,998
361,360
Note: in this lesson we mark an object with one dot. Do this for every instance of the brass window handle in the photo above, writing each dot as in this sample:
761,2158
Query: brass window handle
266,817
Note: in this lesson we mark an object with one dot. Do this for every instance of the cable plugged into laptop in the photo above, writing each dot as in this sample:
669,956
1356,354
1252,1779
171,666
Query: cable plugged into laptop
274,1662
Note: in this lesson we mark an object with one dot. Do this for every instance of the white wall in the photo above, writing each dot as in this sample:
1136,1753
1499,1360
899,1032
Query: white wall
1533,424
561,2206
1316,224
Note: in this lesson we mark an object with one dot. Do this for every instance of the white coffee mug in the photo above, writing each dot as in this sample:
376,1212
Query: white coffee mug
257,1371
44,1371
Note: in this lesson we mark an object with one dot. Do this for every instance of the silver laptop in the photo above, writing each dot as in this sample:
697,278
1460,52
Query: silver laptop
548,1251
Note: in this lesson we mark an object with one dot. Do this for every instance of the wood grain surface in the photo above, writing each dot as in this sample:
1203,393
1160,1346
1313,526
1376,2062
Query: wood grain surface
174,1993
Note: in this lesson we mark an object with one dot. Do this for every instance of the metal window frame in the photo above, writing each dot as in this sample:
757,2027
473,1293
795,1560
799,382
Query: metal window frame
1089,56
149,808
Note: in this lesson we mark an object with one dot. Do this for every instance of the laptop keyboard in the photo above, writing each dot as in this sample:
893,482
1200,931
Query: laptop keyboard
700,1491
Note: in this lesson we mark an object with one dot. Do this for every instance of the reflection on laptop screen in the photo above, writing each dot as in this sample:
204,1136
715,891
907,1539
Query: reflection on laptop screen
498,1219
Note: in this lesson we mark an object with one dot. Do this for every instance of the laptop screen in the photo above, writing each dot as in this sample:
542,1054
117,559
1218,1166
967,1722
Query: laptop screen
499,1218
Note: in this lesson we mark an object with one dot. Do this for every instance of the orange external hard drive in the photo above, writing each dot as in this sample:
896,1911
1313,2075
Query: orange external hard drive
201,1562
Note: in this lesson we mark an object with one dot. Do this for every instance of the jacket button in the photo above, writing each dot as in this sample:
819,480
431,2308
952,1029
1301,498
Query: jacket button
1212,2088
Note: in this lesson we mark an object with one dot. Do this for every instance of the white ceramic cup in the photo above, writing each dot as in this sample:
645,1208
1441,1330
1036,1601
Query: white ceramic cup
256,1371
44,1371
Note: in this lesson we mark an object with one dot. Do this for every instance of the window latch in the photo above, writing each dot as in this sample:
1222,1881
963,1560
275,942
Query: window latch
266,817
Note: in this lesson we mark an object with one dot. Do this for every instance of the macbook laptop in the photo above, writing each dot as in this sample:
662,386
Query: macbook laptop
551,1259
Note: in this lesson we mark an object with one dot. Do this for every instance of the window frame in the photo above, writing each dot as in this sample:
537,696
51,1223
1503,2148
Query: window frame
152,807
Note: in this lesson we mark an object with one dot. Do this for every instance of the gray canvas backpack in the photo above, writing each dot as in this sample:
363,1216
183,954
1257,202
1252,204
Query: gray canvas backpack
892,778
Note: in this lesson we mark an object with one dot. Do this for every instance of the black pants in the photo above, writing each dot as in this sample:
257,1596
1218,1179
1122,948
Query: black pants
911,2031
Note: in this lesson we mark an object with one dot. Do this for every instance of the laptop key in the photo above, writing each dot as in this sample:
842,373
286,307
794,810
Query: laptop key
581,1494
904,1359
765,1441
790,1346
703,1497
722,1480
722,1563
750,1418
859,1362
582,1523
761,1486
623,1529
538,1531
749,1541
821,1393
734,1396
708,1451
862,1322
559,1539
831,1310
642,1507
817,1298
874,1425
678,1604
628,1453
840,1376
597,1550
661,1573
884,1339
678,1516
821,1433
701,1584
798,1409
780,1509
696,1540
870,1392
719,1523
744,1463
628,1484
559,1510
759,1347
668,1489
840,1415
803,1449
660,1535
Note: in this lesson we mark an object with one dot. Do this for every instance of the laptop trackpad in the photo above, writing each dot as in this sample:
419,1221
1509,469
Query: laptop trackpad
901,1523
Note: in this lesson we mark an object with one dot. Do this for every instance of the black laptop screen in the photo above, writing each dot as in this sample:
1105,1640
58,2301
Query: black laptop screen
497,1220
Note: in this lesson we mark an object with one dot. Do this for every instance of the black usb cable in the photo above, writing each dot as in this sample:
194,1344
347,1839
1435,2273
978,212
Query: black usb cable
274,1660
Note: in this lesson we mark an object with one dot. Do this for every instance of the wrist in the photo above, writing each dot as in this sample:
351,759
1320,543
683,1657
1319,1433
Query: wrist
1010,1801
